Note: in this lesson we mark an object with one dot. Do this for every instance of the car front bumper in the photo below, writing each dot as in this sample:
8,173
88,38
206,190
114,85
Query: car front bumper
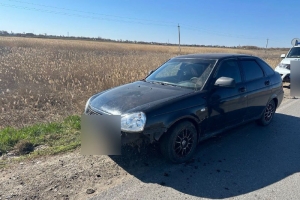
286,78
284,73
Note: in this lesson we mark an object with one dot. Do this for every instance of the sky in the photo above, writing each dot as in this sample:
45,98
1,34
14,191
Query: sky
202,22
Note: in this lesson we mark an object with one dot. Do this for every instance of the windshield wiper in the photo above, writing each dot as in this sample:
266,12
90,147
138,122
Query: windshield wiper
163,83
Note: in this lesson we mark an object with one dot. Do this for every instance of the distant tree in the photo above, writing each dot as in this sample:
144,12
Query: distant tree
29,34
4,33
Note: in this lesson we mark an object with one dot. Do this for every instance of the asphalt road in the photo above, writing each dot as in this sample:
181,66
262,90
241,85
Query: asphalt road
249,162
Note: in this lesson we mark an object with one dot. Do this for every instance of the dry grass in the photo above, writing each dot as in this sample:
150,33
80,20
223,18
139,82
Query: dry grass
45,80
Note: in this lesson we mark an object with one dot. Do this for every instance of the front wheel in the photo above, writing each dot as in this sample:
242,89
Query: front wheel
179,144
268,114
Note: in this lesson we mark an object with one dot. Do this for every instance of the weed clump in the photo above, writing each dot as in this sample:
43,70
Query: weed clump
23,147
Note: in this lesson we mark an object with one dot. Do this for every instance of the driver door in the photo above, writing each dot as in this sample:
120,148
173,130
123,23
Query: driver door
226,106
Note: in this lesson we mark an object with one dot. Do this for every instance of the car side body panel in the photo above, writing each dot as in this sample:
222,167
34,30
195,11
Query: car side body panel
162,117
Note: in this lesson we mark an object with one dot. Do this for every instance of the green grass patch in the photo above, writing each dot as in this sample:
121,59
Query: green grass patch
59,137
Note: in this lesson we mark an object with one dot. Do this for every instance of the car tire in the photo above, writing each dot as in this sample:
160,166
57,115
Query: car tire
179,144
268,114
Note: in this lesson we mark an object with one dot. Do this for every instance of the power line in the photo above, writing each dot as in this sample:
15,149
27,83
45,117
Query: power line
221,34
112,18
81,16
93,13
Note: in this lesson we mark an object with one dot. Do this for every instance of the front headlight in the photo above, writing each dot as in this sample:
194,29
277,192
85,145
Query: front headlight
133,122
286,66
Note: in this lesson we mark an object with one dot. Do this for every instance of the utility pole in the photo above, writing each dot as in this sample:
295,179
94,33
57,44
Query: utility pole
68,33
179,38
267,45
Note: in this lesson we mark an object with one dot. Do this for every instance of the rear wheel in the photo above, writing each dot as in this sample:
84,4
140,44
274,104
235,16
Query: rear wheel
179,144
268,114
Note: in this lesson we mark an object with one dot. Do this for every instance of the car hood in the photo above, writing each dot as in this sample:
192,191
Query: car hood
288,60
139,94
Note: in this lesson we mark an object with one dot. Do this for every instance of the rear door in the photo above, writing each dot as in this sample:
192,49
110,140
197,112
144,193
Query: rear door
258,87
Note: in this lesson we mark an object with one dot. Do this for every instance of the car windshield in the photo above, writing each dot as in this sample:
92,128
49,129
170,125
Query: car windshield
183,72
294,53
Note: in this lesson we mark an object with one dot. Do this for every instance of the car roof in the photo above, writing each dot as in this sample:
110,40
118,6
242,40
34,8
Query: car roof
213,55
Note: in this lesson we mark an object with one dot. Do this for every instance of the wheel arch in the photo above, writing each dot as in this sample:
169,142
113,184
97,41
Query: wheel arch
274,97
276,101
190,119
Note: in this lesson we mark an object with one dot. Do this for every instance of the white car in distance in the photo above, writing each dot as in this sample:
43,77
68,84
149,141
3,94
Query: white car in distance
284,68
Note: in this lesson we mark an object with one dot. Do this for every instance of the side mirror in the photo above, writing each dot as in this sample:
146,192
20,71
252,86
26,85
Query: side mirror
225,82
150,72
282,56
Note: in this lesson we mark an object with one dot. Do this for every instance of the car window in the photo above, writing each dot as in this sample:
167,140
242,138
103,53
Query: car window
170,70
183,72
251,70
268,70
294,53
229,68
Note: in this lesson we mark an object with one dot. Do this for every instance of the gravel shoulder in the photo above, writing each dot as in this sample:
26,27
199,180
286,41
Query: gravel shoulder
75,176
67,176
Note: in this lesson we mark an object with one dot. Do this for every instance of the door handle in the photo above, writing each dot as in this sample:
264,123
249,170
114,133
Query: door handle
242,89
267,82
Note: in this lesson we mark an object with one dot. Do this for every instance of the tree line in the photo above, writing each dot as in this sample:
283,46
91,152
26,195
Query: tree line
32,35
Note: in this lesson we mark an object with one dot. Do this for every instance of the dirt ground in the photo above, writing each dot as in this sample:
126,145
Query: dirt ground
72,175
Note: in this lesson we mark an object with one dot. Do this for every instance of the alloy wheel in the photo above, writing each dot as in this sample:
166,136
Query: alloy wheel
269,112
183,143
